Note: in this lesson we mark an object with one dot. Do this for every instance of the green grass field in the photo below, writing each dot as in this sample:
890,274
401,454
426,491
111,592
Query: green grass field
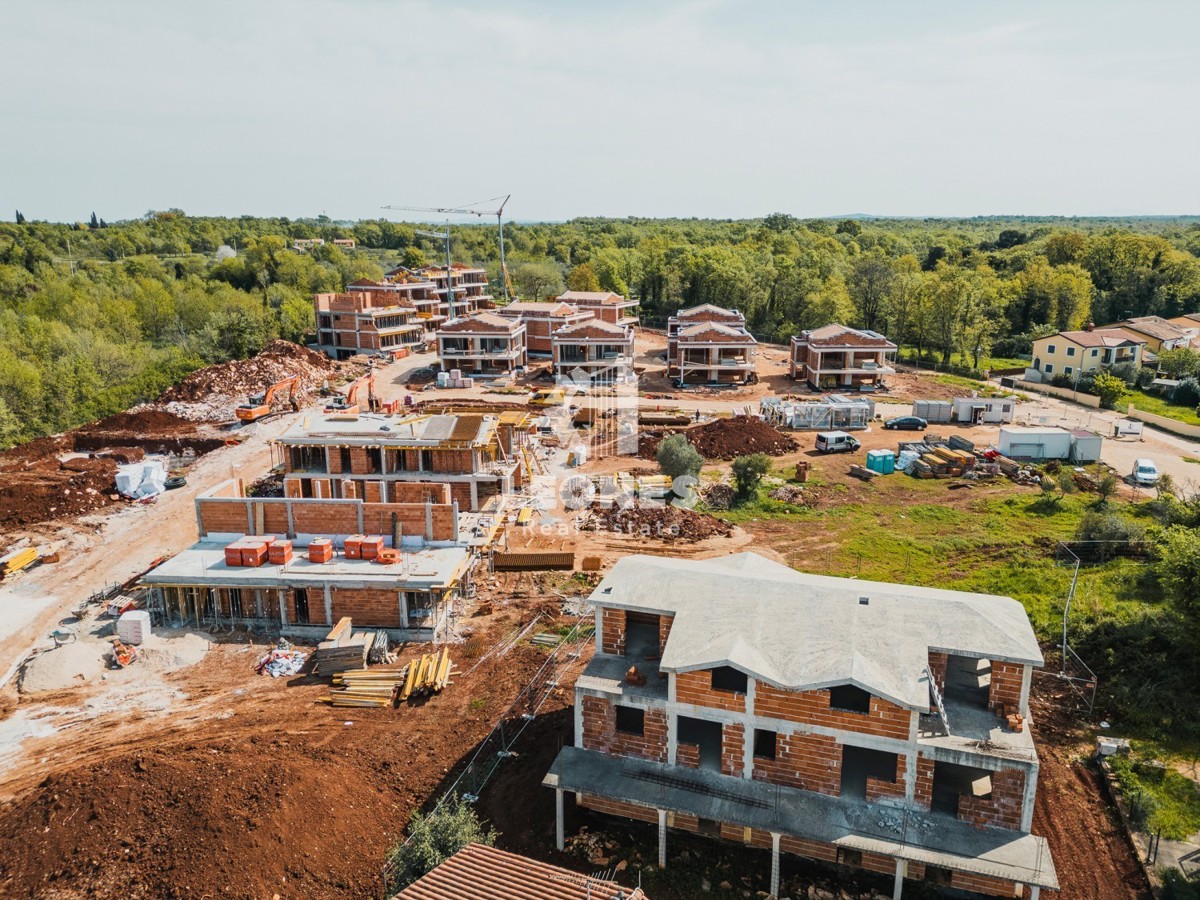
1159,406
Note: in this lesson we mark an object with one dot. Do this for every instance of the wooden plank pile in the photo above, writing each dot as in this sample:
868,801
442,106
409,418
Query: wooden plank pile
342,649
428,674
364,689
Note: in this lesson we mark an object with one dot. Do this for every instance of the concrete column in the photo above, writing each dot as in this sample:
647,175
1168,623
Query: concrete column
474,495
775,863
559,827
403,608
1027,801
329,604
282,607
662,838
672,738
579,723
360,516
1026,678
901,871
1034,891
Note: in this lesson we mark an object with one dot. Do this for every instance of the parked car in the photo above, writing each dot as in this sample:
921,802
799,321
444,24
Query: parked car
1145,473
907,423
837,442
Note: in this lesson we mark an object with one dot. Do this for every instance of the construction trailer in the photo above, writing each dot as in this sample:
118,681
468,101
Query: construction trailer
729,697
834,412
935,412
1041,443
983,410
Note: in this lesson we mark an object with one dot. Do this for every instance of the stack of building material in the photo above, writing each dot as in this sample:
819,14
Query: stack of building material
233,554
352,546
366,689
378,653
17,560
254,551
134,626
320,550
279,553
427,675
369,547
388,556
342,649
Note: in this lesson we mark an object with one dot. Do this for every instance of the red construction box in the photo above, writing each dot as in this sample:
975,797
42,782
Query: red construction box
254,553
233,554
320,550
267,539
370,547
279,552
353,546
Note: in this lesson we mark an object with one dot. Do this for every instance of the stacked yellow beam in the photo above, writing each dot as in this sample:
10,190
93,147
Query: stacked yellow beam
365,688
17,560
427,675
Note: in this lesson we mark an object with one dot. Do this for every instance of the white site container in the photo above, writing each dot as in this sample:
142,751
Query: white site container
1018,442
134,626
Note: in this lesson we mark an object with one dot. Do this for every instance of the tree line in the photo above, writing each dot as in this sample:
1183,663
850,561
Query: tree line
96,315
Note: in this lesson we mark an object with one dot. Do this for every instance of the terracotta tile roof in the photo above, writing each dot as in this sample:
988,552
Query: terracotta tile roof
1187,320
1155,326
484,321
478,872
593,329
835,335
1106,337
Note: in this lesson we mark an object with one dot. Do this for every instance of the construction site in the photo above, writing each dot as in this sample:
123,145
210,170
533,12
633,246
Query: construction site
360,602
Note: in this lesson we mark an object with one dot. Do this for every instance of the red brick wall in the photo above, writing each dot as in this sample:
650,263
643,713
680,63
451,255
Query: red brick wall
696,688
885,719
612,630
687,755
733,745
664,631
937,666
878,789
811,762
618,808
600,732
316,607
810,849
222,516
996,887
418,492
368,608
923,790
1005,691
1003,808
324,518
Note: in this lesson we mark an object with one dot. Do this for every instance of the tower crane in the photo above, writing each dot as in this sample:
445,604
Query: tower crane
445,236
471,209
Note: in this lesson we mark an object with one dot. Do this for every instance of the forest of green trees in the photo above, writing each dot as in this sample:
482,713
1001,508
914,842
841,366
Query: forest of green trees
95,316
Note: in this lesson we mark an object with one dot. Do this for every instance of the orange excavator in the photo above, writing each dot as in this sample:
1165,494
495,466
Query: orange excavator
348,404
259,405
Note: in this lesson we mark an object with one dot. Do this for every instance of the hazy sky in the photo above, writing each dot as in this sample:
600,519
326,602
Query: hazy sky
623,107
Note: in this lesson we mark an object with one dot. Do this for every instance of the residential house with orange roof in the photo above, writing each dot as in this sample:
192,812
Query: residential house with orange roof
1076,353
541,320
708,344
1160,334
604,305
484,344
593,349
839,357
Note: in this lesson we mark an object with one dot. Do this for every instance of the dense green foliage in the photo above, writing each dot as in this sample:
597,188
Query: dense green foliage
95,315
433,839
1159,798
748,473
677,457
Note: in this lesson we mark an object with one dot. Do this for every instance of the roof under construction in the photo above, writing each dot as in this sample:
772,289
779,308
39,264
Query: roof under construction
373,430
755,615
478,871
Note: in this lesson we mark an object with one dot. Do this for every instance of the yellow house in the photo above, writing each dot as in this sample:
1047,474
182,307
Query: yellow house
1160,333
1075,353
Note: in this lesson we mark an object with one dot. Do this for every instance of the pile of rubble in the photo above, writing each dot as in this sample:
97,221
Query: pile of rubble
667,523
725,439
211,393
788,493
718,496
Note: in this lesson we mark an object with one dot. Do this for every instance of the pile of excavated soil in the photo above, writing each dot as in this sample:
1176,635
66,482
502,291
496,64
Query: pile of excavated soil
213,392
724,439
667,523
43,489
151,430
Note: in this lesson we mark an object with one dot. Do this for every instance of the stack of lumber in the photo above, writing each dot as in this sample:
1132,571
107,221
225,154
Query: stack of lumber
427,674
862,472
342,649
17,560
365,689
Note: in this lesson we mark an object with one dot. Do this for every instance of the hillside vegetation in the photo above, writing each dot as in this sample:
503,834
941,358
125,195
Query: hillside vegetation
96,316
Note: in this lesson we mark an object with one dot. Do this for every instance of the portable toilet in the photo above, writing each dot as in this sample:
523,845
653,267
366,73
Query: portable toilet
881,461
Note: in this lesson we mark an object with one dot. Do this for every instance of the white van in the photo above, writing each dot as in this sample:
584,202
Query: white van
1145,473
837,442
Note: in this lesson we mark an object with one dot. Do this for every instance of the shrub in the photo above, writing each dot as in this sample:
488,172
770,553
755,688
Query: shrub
434,838
1178,567
1126,371
1061,380
1086,383
1106,527
748,472
1107,486
677,457
1143,378
1110,388
1177,886
1187,392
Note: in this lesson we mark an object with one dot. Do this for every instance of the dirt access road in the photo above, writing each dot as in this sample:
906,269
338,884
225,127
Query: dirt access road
113,547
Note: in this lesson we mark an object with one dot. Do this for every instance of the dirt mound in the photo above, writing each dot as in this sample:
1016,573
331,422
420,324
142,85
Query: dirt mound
43,489
668,523
141,421
725,439
236,379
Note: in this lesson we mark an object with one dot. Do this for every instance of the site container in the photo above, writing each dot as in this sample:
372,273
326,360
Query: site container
933,411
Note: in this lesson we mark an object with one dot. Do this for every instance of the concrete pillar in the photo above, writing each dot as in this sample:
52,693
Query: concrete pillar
1027,801
662,838
282,607
775,863
672,738
901,871
1026,678
559,827
329,604
474,495
1034,891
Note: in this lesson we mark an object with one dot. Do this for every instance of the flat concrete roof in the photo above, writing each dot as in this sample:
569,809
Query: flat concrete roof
804,632
932,838
374,429
203,564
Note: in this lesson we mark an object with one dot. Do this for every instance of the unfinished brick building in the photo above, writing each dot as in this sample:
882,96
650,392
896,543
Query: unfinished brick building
707,344
592,350
541,320
382,459
852,722
463,287
838,357
603,305
371,317
484,344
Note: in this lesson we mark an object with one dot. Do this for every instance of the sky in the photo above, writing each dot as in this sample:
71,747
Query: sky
708,108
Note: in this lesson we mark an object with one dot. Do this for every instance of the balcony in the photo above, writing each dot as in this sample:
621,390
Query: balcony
606,674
